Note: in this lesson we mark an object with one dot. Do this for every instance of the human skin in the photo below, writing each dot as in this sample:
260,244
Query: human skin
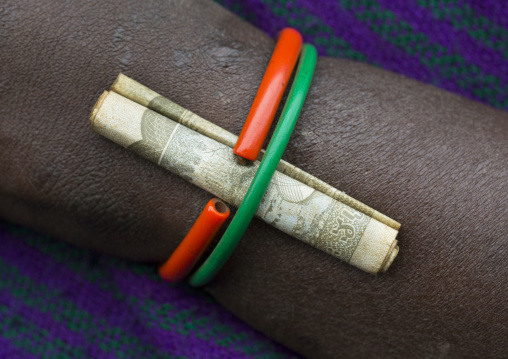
435,162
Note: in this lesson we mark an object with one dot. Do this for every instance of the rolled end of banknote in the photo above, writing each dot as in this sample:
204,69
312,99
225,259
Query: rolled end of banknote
377,248
133,90
289,205
390,257
96,108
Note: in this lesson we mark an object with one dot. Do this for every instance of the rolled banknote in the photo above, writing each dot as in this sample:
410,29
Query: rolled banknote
141,94
289,205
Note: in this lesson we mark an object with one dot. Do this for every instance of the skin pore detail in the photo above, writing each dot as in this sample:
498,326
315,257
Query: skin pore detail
434,161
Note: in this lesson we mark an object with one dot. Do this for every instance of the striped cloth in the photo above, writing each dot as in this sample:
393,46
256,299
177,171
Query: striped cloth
57,301
458,45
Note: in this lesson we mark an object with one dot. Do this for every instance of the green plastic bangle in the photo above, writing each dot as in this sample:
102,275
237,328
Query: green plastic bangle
265,172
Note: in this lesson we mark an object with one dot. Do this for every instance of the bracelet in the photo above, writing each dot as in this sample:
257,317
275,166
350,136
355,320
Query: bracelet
268,97
265,172
195,242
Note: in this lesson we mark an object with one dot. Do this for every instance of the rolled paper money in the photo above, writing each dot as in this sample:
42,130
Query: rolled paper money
141,94
289,205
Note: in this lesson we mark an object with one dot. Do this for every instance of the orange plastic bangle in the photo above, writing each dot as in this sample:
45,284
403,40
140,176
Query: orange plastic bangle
195,242
269,95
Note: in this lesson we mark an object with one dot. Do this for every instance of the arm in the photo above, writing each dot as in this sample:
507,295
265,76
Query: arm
431,160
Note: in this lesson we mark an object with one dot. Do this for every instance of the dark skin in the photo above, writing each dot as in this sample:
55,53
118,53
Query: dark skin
436,162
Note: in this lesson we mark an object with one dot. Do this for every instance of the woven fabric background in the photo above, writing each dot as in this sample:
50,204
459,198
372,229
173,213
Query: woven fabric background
57,301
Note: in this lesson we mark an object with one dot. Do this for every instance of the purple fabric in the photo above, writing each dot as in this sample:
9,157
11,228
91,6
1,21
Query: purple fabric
443,33
494,10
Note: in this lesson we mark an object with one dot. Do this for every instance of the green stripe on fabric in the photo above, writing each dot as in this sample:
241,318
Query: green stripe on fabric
450,66
464,18
33,339
63,311
238,9
72,259
322,35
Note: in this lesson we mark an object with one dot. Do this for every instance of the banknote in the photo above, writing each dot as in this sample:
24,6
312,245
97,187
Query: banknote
141,94
289,205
